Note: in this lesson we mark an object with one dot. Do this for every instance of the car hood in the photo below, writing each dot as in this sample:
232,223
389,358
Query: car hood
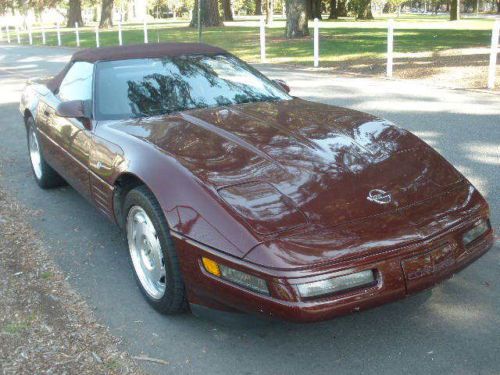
282,166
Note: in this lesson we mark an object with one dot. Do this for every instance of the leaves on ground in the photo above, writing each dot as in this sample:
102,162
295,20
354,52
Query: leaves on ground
45,327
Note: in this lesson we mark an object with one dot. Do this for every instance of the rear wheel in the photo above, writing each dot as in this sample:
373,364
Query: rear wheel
152,253
45,176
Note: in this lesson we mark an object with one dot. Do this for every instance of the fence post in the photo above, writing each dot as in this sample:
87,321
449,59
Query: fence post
43,36
18,36
262,40
58,34
390,46
316,42
30,35
493,55
77,35
120,40
145,31
97,36
8,33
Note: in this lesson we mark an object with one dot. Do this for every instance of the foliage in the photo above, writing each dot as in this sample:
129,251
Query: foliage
361,9
397,3
244,6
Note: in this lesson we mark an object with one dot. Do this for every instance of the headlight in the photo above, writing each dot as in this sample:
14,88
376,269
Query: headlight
235,276
336,284
480,228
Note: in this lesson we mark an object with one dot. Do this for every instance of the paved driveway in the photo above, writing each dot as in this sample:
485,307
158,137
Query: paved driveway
453,329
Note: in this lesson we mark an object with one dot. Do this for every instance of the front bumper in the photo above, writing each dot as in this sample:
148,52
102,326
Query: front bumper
399,273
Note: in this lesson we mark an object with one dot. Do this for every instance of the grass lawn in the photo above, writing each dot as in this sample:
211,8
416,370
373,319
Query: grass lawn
340,40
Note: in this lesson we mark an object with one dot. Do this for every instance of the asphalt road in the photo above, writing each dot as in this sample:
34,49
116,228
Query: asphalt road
453,329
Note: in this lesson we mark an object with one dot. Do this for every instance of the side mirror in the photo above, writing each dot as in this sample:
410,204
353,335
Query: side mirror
283,85
72,108
78,109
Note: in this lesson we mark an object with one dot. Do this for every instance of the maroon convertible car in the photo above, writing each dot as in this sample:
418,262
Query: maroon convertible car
236,196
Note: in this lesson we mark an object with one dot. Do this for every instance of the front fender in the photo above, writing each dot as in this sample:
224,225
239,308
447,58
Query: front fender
192,209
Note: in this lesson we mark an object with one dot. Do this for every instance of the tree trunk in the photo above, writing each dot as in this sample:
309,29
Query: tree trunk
315,9
74,13
106,14
498,6
209,14
269,11
258,7
363,10
341,8
296,19
228,10
455,10
333,10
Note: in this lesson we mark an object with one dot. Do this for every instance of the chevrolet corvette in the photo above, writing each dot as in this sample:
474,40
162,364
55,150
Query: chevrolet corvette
234,195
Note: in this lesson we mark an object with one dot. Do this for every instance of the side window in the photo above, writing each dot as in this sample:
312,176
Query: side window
77,83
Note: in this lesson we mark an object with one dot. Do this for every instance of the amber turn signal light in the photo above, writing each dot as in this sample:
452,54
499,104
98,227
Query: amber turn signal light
240,278
211,266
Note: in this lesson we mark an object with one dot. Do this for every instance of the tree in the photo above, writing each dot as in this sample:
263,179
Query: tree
228,10
209,14
269,11
245,6
362,9
157,7
455,10
314,9
258,7
341,8
74,13
396,4
106,14
333,10
296,19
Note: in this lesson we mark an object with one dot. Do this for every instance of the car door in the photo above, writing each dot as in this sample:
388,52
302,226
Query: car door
67,141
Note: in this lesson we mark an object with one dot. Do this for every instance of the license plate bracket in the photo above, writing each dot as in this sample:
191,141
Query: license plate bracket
425,270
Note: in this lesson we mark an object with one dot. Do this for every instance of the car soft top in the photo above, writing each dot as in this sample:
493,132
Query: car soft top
133,51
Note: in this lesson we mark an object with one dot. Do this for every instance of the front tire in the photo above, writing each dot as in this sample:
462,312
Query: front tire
152,253
46,177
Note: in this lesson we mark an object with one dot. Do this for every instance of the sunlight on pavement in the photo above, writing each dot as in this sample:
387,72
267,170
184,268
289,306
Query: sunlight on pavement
430,137
479,182
11,91
488,153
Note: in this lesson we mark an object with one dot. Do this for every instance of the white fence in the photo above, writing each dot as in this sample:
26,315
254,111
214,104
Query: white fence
493,55
7,30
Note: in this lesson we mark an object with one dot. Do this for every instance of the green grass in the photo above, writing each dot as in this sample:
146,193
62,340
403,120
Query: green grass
47,275
16,328
339,40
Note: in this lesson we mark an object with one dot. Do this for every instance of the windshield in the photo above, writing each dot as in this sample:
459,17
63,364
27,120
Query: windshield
149,87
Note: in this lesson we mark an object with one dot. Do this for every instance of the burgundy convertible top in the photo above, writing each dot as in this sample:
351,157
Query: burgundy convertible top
135,51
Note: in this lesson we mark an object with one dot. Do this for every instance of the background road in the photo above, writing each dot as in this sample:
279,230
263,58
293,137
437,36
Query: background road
453,329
